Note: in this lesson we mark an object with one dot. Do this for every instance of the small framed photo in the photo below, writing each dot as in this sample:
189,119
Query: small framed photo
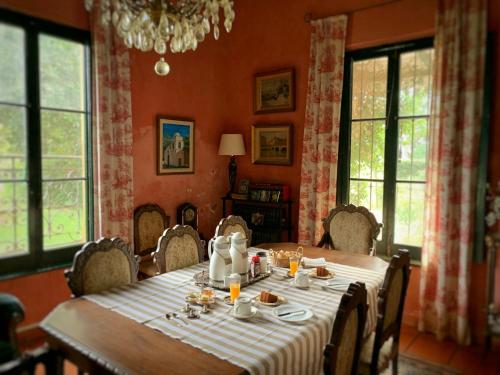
272,144
175,145
274,91
243,188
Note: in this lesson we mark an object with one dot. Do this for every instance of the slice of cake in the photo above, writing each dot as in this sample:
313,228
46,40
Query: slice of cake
267,297
321,271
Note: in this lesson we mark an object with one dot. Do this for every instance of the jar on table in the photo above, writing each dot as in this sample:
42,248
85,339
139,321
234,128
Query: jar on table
255,266
263,261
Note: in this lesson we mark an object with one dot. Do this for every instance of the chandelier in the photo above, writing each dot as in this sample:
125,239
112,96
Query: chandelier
178,25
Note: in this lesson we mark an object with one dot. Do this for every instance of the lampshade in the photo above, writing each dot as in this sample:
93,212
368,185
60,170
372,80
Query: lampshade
231,144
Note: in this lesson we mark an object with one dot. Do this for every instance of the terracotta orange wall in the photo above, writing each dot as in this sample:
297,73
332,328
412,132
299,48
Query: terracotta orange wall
214,87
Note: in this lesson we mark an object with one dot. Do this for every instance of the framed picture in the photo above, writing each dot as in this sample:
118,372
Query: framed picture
175,145
272,144
274,91
264,195
243,188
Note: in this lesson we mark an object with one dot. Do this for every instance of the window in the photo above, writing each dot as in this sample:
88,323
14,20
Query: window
383,146
45,164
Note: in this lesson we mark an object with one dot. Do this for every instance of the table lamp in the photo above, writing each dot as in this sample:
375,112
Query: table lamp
231,145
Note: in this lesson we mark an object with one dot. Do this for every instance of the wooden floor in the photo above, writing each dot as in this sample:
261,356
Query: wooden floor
468,360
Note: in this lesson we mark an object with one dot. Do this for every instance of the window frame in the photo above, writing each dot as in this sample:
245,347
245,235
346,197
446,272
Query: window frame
37,259
385,246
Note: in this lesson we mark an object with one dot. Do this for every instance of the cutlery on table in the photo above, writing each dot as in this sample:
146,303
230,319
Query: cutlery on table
292,313
177,316
171,318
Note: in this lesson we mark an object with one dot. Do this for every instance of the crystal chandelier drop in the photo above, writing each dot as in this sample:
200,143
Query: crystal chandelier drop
160,24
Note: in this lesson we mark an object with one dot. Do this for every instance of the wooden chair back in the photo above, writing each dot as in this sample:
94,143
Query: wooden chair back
150,221
351,229
233,224
102,265
11,314
391,298
343,351
177,248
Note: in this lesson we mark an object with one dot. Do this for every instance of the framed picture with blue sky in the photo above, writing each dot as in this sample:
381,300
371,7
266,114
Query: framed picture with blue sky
175,145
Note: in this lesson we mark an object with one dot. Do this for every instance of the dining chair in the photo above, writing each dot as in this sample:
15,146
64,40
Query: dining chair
233,224
102,265
350,228
12,361
381,346
177,248
342,353
150,221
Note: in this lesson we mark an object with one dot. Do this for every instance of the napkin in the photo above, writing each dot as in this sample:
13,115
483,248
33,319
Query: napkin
313,262
337,284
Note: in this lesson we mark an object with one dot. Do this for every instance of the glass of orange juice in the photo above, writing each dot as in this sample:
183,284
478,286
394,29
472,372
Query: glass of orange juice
294,265
234,286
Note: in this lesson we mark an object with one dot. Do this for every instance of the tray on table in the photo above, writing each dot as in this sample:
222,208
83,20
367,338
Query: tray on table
201,278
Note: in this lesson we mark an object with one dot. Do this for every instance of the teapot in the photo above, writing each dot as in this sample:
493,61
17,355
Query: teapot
239,254
220,259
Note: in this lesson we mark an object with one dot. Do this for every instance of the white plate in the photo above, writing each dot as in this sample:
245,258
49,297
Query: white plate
330,275
293,318
251,315
278,302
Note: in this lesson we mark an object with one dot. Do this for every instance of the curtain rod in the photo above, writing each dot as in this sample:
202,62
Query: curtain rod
308,17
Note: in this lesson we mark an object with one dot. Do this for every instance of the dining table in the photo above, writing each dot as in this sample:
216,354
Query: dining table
124,330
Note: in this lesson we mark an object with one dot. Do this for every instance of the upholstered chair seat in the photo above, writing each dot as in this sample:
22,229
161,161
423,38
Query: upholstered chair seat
351,229
178,247
233,224
384,356
102,265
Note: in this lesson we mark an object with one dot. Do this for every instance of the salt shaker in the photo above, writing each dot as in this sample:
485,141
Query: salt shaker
263,261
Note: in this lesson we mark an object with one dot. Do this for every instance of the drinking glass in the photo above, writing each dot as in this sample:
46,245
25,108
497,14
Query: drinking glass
294,265
234,286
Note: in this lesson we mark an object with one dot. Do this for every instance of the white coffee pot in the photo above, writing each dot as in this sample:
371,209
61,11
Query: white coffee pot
239,253
220,259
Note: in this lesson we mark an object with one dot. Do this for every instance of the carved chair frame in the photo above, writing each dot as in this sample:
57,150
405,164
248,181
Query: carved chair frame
168,234
74,276
326,239
233,220
149,207
353,301
401,260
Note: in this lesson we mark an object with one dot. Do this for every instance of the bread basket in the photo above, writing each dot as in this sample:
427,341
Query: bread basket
281,258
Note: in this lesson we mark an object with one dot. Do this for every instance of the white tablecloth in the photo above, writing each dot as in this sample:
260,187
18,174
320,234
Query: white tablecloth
262,345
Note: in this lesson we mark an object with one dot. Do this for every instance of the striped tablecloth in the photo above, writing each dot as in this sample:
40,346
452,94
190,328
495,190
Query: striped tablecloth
262,345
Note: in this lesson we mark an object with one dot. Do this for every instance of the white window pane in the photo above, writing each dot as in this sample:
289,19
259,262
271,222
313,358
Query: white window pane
13,219
12,64
62,82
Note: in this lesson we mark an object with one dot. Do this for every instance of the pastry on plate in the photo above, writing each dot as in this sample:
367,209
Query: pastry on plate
321,271
268,297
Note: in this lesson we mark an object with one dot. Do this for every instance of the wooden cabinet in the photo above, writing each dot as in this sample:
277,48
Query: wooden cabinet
269,221
493,312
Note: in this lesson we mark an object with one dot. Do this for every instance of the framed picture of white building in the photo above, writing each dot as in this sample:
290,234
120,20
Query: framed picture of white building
175,145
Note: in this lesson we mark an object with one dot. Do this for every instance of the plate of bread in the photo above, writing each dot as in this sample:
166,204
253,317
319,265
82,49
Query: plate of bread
269,299
321,272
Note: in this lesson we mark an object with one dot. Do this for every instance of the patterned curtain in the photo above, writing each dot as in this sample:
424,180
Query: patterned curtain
321,128
112,132
460,47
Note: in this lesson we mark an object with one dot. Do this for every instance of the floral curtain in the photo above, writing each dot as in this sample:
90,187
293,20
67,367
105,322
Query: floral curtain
112,132
321,128
460,46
